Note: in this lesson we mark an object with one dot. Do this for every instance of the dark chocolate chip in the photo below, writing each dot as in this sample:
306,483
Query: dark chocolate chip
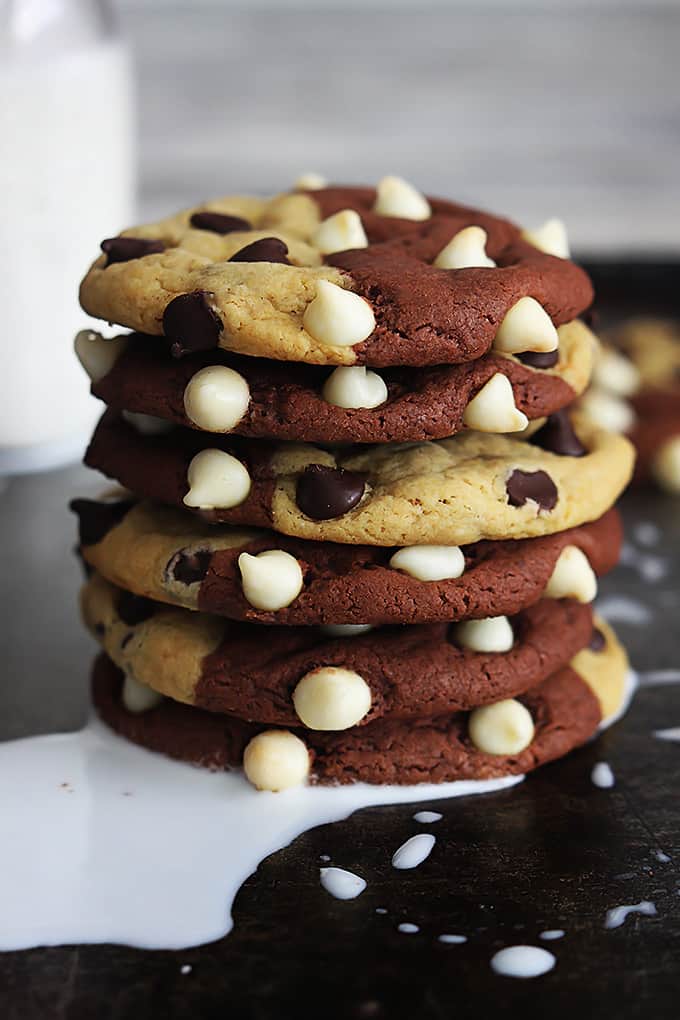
218,223
536,485
325,492
267,249
539,359
99,629
189,567
96,519
558,436
597,640
123,249
134,609
192,323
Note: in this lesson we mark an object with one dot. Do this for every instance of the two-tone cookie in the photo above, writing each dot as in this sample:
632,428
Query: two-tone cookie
288,675
165,555
451,492
512,736
338,276
221,392
636,391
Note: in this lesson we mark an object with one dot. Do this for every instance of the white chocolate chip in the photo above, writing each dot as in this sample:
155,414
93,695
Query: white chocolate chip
148,424
526,327
492,634
138,697
348,630
310,182
396,197
493,408
97,355
429,562
550,237
606,411
572,577
354,386
276,760
466,249
340,232
338,317
666,465
216,398
271,580
331,698
503,728
616,374
216,479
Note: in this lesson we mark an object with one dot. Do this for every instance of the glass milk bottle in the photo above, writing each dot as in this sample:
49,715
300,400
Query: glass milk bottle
66,182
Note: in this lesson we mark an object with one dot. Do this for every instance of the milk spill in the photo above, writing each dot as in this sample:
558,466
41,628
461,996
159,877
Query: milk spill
103,841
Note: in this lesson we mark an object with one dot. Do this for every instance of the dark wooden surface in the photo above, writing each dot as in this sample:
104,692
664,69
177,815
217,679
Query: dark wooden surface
553,853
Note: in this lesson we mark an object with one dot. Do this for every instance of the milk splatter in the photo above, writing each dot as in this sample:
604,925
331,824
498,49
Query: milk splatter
617,915
427,817
413,852
343,885
602,775
671,734
623,609
522,961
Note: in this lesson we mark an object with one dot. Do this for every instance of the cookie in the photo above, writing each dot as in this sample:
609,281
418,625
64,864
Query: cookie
218,391
564,713
382,284
653,348
160,553
636,391
450,492
286,675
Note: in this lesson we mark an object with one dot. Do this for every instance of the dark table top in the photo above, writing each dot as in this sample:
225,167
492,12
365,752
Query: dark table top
555,852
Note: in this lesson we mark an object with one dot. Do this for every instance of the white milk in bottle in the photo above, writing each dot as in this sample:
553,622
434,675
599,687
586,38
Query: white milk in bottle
66,182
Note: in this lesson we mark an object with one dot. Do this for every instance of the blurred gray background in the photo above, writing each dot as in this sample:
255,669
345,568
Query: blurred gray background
532,109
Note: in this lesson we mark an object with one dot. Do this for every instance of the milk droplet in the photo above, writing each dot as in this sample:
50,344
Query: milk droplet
522,961
617,915
622,609
344,885
672,734
427,817
551,934
602,775
413,852
408,929
453,940
647,533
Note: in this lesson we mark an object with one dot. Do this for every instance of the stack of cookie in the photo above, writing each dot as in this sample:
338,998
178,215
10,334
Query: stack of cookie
360,533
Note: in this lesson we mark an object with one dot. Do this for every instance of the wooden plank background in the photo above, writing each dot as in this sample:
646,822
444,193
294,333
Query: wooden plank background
531,109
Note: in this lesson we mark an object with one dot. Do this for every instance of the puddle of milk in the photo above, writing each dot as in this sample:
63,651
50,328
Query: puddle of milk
103,841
